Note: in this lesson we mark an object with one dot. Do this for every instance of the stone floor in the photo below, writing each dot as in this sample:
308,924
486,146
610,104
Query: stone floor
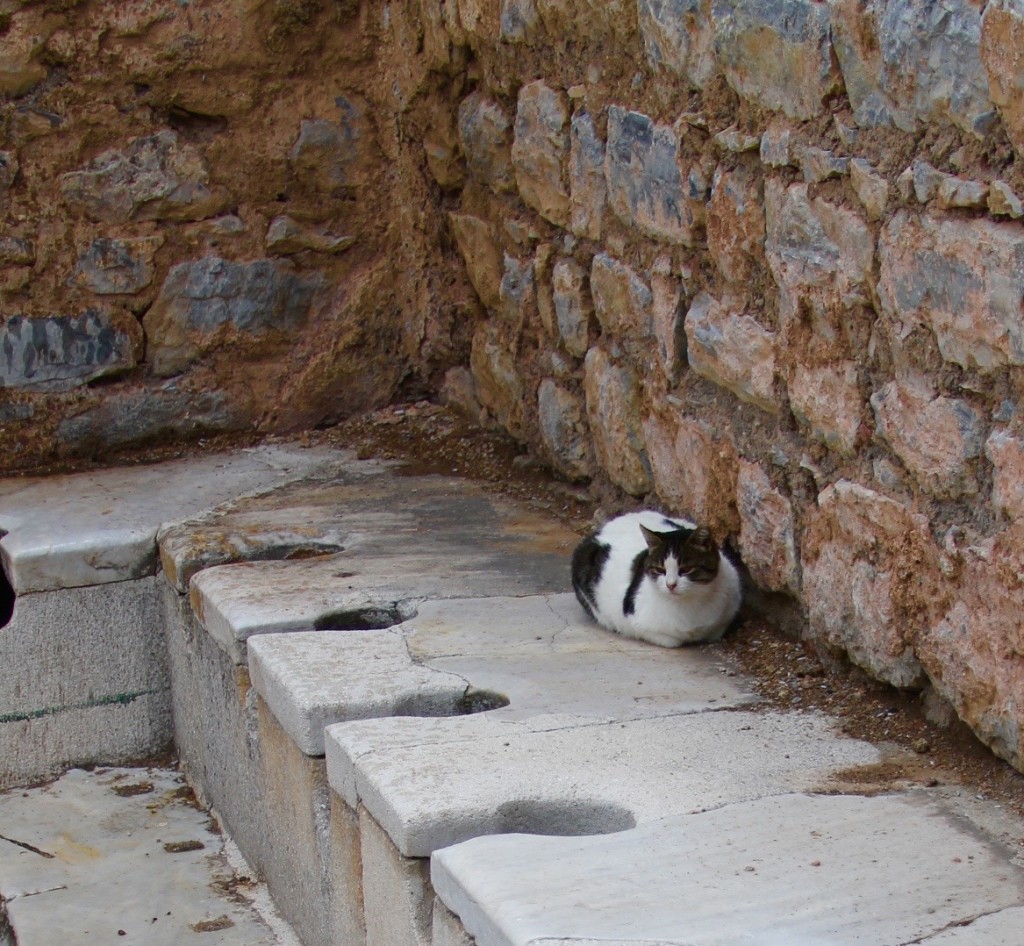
403,719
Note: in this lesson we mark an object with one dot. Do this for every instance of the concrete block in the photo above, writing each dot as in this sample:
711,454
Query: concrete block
782,870
568,775
83,678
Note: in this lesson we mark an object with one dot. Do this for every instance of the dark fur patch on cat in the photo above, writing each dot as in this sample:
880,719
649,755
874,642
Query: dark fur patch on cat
587,564
639,569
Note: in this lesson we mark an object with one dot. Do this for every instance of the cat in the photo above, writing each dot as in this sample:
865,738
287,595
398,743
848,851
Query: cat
657,579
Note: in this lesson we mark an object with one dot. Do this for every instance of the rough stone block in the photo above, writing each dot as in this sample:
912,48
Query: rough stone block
475,239
1003,202
678,38
972,645
154,178
622,300
17,251
911,62
1002,36
574,307
162,411
778,55
111,266
668,311
83,679
819,164
498,383
828,401
199,301
519,21
732,350
564,431
326,154
288,236
485,133
962,278
60,352
613,410
517,292
777,150
860,595
588,192
736,222
646,188
871,188
766,530
694,471
540,148
958,192
821,256
1005,451
936,437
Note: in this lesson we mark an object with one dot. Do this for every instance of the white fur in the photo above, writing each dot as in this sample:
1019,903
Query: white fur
692,612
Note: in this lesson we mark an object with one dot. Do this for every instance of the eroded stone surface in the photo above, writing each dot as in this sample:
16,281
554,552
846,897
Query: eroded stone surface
778,870
551,775
732,349
860,596
99,527
539,150
962,278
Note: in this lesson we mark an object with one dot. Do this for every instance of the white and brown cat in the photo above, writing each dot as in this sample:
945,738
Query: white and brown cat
656,578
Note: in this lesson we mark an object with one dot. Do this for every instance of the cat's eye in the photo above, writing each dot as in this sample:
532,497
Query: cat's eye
658,570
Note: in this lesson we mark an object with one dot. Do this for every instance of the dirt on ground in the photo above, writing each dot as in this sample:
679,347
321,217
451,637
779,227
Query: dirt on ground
788,673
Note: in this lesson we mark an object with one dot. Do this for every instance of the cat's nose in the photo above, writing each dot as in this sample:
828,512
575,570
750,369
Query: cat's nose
671,584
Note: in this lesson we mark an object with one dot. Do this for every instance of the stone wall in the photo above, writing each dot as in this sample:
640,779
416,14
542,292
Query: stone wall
756,261
215,217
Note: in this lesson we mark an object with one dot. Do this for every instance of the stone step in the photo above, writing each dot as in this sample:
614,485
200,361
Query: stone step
787,870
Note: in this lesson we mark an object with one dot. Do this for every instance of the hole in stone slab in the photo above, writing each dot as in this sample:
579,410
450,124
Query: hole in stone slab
564,818
360,619
480,701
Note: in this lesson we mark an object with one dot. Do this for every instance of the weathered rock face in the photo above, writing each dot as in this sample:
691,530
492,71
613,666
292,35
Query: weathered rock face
760,262
201,303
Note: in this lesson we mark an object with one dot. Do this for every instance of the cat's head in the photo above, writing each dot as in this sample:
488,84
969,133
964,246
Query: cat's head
680,558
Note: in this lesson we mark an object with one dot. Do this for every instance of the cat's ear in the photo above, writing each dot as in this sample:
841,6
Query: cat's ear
655,540
701,539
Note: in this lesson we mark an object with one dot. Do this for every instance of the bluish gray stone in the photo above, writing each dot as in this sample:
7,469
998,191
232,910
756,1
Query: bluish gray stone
912,62
777,53
587,191
154,178
16,250
485,133
563,430
325,152
110,266
574,309
518,20
678,37
540,150
149,414
8,169
646,188
518,291
62,351
199,298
